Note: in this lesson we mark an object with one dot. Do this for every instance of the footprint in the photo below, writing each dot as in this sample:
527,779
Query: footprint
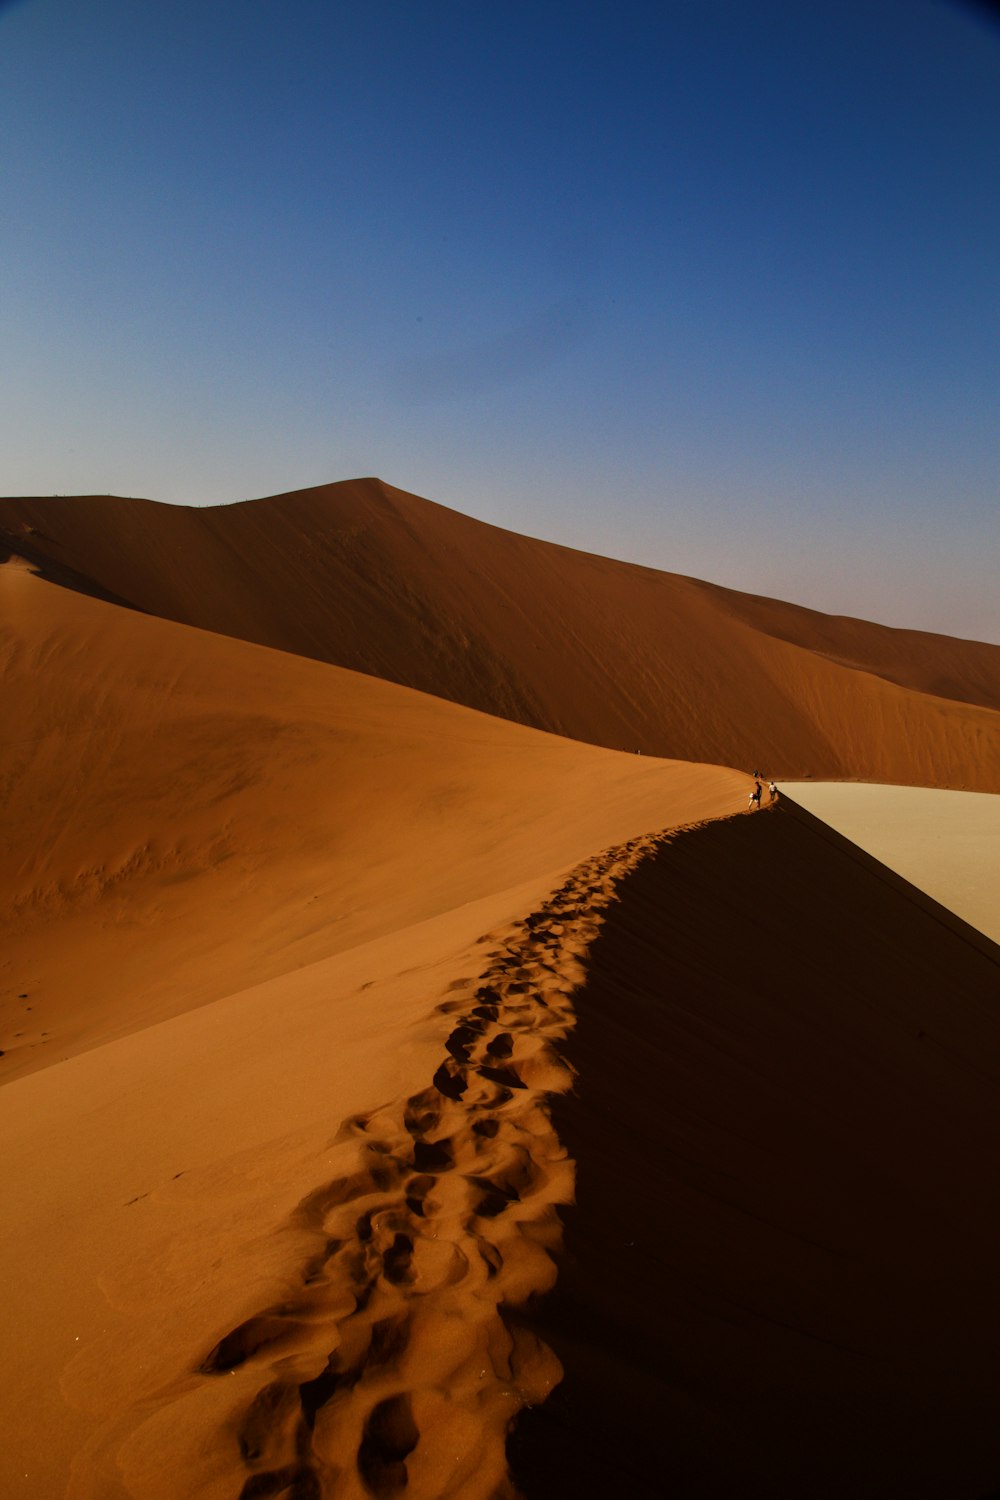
267,1426
493,1198
314,1394
507,1077
460,1041
422,1112
433,1156
390,1436
449,1082
294,1483
427,1209
244,1342
397,1262
389,1337
416,1194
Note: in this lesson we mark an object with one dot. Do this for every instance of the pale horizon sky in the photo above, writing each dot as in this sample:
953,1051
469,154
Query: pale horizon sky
708,286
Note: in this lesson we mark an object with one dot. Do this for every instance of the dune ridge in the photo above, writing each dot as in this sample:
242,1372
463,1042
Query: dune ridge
694,1208
187,814
778,1271
682,1168
402,1359
236,883
606,652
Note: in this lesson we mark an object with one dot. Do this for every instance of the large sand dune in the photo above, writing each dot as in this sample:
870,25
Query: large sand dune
189,814
381,1080
371,578
236,887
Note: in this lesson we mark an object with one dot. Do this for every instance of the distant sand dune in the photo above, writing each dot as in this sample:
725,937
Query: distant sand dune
371,578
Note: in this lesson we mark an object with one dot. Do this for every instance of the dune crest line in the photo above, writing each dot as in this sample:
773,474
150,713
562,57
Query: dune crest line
403,1359
396,586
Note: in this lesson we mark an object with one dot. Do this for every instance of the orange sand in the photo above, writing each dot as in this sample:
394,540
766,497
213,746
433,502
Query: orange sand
387,1102
369,577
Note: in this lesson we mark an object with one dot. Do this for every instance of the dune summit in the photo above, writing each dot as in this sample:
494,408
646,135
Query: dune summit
371,578
406,1090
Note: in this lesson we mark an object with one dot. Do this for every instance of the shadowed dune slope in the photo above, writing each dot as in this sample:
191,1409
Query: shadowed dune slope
185,815
779,1277
368,577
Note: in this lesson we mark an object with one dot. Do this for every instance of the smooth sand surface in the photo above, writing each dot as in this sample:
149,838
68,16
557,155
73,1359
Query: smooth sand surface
369,577
189,814
945,842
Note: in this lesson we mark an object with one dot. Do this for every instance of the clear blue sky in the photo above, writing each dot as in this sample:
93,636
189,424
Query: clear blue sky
708,284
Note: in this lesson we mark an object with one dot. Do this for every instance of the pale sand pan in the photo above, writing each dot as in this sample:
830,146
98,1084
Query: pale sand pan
946,843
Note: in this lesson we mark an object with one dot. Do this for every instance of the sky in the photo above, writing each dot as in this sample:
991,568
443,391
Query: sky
711,285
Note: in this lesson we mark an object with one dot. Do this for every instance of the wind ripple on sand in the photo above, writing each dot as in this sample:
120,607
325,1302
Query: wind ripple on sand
404,1358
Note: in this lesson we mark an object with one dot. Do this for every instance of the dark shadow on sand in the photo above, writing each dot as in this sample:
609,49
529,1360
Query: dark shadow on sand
781,1277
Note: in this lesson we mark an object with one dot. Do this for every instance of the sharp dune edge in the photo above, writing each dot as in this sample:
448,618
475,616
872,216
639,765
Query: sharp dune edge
402,1098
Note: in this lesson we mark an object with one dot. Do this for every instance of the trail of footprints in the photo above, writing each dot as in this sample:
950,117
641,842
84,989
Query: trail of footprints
402,1360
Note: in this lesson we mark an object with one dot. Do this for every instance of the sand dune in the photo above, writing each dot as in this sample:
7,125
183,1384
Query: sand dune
776,1277
371,578
237,887
399,1096
187,815
779,1273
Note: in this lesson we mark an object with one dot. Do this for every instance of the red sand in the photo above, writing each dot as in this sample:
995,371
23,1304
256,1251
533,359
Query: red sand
387,1105
383,582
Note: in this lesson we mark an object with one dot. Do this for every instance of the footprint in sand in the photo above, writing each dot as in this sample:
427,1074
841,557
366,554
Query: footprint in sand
399,1345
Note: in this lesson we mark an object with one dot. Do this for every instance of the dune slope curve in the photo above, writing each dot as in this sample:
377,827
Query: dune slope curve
186,815
608,652
238,886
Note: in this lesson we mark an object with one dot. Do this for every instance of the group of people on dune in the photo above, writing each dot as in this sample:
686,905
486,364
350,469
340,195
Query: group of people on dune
755,795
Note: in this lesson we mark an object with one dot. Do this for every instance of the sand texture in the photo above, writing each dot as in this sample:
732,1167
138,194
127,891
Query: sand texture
611,653
403,1098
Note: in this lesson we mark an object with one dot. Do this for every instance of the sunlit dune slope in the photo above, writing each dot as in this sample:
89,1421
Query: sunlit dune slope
236,888
779,1277
186,814
371,578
